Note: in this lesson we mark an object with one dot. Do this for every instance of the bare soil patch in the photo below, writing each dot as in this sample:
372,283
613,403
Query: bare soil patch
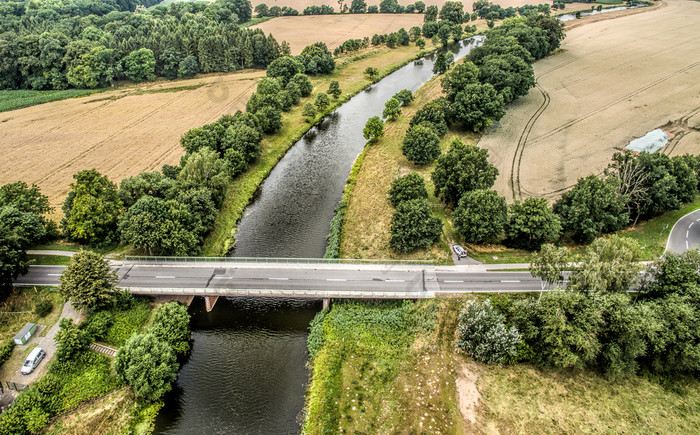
120,133
467,393
614,81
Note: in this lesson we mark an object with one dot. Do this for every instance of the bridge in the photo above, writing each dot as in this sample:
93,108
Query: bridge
292,279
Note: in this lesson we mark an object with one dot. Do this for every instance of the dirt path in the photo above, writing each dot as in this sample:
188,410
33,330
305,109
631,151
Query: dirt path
615,80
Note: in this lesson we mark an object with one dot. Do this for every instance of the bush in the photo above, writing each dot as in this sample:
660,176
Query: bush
407,188
6,351
97,325
315,340
171,323
43,308
71,340
482,334
148,364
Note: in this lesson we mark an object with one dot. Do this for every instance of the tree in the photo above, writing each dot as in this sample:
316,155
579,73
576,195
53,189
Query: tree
482,333
309,111
270,119
171,324
392,109
188,67
435,113
88,281
13,259
246,139
409,187
440,66
510,75
444,33
431,14
609,264
140,65
420,43
321,101
371,72
452,11
262,10
28,201
477,105
461,76
284,68
317,59
92,209
413,226
594,206
462,169
304,84
374,129
334,89
531,223
480,216
148,364
358,7
421,145
404,97
388,6
675,274
205,169
420,6
549,264
430,29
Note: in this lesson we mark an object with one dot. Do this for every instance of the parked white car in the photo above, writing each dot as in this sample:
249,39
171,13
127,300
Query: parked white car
32,361
459,251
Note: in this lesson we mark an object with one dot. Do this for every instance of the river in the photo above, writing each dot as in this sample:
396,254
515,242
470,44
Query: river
247,370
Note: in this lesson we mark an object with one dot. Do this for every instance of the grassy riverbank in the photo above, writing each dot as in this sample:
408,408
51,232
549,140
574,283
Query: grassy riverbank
392,368
350,75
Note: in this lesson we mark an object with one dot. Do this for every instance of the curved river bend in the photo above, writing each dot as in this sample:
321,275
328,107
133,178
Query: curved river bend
247,371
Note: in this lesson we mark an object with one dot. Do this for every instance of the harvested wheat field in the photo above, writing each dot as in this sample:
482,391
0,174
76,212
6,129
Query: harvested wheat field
335,29
120,133
615,80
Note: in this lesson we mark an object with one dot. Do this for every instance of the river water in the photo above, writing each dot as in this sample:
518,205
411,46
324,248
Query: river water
247,370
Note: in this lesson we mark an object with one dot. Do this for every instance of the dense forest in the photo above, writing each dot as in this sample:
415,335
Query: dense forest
91,43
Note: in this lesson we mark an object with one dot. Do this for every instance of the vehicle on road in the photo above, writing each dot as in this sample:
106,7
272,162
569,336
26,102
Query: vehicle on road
459,251
32,361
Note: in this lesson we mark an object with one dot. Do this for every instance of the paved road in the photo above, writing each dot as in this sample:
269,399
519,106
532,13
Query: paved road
685,234
306,280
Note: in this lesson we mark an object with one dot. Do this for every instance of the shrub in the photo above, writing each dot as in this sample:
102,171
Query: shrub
98,324
404,96
315,340
407,188
71,340
147,364
6,351
374,129
482,334
171,323
43,308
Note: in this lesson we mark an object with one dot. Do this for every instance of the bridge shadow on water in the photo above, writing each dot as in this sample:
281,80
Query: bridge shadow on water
247,371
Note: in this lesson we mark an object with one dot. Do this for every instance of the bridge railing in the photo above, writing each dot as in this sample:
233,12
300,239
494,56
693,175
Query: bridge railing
155,259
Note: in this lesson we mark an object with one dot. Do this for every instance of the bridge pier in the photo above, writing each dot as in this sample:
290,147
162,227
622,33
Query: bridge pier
326,303
209,302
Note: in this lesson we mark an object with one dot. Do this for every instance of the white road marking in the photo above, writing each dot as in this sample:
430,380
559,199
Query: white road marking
452,281
395,280
687,233
53,274
223,277
336,279
280,279
510,280
691,225
686,245
165,276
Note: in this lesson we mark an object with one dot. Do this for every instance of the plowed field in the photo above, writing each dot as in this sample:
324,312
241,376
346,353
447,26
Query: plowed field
614,81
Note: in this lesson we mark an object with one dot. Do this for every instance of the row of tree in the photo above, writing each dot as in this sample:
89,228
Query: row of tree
56,46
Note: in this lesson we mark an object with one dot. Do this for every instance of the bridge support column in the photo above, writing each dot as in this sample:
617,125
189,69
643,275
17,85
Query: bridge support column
326,303
209,302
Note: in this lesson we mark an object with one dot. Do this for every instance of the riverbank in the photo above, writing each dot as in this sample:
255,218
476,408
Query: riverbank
352,80
393,368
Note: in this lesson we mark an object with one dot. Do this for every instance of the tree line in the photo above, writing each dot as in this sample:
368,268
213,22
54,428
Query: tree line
597,323
78,44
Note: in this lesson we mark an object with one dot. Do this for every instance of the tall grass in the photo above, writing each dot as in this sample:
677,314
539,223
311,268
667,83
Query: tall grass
17,99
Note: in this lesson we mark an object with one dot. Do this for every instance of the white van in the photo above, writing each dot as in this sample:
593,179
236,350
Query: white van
33,360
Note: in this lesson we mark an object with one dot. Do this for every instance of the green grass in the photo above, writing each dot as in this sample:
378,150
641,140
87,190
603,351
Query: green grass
241,191
48,260
652,235
609,2
18,309
17,99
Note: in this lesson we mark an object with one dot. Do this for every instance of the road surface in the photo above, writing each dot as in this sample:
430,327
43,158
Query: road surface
307,280
685,234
